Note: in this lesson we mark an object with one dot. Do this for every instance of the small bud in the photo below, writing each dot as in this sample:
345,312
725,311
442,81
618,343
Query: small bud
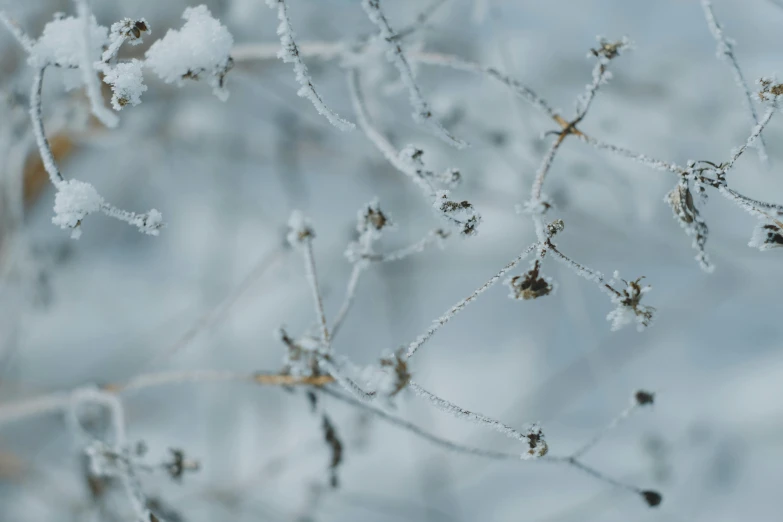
555,227
530,285
766,236
653,498
537,446
299,229
644,398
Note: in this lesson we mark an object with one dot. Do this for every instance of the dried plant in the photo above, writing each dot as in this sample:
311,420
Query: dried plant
316,362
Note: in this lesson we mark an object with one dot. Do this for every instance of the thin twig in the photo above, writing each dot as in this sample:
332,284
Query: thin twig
18,33
395,55
454,310
725,51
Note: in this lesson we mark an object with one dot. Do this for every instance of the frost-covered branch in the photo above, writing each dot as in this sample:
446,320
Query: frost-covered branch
87,57
533,437
13,27
289,53
394,53
462,215
438,323
725,52
301,236
76,199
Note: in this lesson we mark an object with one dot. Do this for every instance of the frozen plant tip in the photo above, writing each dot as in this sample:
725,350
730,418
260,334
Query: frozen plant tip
530,285
459,213
299,229
201,48
766,236
609,50
643,398
769,91
629,307
127,83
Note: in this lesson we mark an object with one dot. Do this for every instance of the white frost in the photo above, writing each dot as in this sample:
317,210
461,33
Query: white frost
74,200
127,83
201,47
60,43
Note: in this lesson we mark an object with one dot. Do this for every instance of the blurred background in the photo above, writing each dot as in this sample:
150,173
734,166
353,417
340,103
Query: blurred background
211,290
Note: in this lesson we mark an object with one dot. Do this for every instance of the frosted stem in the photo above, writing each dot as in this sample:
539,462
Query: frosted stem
17,32
36,116
289,53
461,413
419,432
391,154
635,156
725,51
454,310
312,280
421,110
89,75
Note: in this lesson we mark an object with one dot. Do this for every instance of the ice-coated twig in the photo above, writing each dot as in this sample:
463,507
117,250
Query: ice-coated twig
754,207
109,460
421,110
76,199
17,32
533,437
346,382
652,163
408,161
38,130
312,280
755,134
388,150
89,74
454,310
543,169
455,62
583,271
725,52
350,296
419,432
289,53
433,236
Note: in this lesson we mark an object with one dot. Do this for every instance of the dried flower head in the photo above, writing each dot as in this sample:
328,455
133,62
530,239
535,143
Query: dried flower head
555,227
397,367
608,50
766,236
629,307
300,230
537,446
459,213
372,219
530,285
178,465
130,29
680,199
769,90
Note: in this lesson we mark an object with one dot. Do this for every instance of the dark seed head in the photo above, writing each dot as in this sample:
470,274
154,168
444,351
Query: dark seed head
653,498
644,397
